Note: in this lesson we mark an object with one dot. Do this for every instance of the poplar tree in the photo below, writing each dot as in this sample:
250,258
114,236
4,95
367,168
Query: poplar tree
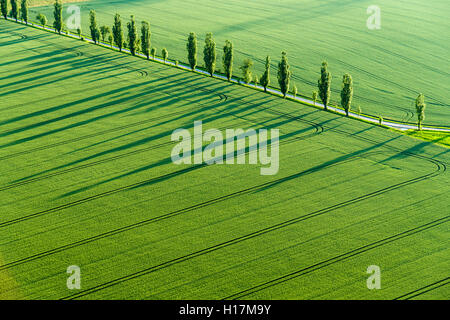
14,9
153,52
24,10
42,19
4,8
324,85
228,59
95,32
420,110
105,31
191,47
209,54
247,71
284,74
347,92
294,91
145,38
118,32
57,14
265,78
132,36
314,96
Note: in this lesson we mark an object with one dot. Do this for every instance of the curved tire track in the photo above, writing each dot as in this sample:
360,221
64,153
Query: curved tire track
284,278
223,98
336,259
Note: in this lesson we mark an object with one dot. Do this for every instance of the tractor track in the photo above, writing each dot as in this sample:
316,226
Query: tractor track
78,53
408,113
127,187
251,236
425,289
94,163
336,259
440,169
223,98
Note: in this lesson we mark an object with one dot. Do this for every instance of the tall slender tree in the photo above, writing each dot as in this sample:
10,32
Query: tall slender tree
324,85
228,59
284,74
4,8
247,70
57,14
118,32
347,92
95,32
105,31
132,36
145,38
24,10
420,110
191,47
209,54
265,78
14,9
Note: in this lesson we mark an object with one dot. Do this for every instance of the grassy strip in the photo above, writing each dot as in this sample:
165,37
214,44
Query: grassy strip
440,138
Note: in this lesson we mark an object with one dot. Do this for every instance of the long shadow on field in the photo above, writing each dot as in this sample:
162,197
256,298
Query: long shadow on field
158,104
78,65
157,146
52,53
168,160
77,102
417,149
327,164
43,66
18,41
68,59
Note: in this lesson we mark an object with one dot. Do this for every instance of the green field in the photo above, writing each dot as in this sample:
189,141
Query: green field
441,138
87,180
389,66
